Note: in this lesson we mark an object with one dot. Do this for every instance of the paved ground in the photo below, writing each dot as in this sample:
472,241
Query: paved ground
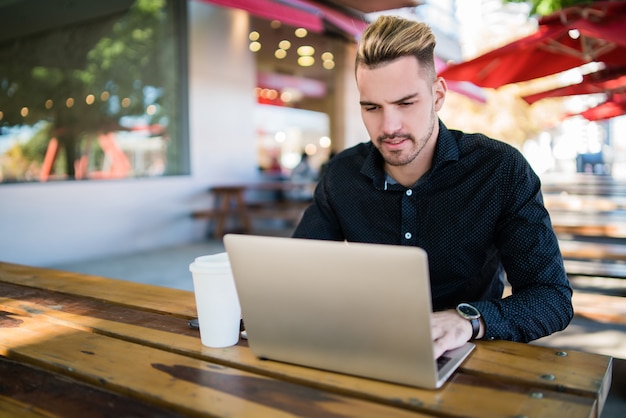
170,267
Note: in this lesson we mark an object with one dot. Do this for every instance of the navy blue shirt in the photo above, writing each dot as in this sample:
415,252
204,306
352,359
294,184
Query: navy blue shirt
479,215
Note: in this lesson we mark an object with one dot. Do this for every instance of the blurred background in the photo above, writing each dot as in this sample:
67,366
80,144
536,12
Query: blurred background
116,117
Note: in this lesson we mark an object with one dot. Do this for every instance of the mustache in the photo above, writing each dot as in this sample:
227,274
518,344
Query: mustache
395,136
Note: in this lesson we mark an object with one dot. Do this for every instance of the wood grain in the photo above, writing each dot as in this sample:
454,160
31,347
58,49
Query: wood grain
133,340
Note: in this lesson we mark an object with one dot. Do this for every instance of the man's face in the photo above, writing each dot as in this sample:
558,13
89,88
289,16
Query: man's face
398,106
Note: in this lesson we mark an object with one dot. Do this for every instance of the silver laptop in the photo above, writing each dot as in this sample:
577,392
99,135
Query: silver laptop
353,308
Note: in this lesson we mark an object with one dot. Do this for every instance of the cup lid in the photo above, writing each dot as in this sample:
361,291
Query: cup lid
212,262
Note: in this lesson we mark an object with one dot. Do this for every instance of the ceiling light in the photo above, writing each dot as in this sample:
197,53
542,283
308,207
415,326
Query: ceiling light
301,32
306,61
280,136
286,96
255,46
306,50
310,149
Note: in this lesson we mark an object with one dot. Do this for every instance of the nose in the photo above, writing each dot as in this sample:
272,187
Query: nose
392,122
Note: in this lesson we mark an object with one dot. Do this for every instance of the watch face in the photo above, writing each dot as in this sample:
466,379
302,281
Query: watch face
468,311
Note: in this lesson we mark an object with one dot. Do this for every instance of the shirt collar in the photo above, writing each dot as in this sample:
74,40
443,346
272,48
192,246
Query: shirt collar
447,149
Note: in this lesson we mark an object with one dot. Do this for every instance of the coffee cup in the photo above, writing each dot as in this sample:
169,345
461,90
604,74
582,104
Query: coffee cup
217,303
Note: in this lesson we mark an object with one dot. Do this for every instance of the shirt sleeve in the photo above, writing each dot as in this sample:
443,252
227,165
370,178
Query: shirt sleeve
541,299
319,220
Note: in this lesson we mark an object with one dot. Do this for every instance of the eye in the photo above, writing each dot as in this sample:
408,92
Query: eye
370,108
406,104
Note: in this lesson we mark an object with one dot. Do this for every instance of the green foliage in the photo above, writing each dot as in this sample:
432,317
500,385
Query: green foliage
82,79
546,7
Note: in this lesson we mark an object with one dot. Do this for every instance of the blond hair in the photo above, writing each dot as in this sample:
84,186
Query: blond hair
391,37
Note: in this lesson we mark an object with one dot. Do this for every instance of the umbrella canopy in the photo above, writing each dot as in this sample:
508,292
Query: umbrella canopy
609,80
615,106
567,39
462,87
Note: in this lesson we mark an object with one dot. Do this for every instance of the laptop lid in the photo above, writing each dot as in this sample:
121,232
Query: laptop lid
354,308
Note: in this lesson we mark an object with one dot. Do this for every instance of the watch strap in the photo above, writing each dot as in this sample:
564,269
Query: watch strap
475,327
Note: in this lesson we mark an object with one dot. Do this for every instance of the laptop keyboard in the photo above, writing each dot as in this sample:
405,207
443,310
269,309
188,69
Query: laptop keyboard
442,361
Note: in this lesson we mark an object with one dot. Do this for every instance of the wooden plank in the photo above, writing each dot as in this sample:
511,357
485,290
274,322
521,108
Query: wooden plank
205,214
595,268
598,307
92,308
32,392
183,384
11,408
607,230
591,250
289,209
558,203
136,295
511,386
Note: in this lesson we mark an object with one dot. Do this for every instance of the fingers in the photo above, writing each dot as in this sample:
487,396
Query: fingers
449,331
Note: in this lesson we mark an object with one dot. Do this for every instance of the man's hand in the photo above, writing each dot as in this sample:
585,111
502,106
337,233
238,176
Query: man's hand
450,331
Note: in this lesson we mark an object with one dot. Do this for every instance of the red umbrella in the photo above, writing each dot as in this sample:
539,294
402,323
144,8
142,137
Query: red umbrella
615,106
566,39
608,80
462,87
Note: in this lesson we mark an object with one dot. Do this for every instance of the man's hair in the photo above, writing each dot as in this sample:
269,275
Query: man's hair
391,37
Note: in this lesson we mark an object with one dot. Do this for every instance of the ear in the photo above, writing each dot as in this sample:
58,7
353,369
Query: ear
440,88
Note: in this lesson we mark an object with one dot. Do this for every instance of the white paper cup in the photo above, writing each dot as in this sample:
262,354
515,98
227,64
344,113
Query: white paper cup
217,303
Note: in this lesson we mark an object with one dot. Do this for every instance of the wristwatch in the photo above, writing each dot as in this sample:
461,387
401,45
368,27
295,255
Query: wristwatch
470,313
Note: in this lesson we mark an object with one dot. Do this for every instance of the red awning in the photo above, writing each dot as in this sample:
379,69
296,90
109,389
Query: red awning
462,87
301,13
608,80
369,6
615,106
566,39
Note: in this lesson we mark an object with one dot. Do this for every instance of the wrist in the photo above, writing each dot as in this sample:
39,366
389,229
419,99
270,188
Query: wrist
471,314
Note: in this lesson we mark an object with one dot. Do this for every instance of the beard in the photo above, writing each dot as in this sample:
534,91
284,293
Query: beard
406,156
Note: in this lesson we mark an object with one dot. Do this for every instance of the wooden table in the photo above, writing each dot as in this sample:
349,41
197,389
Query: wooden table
230,203
77,345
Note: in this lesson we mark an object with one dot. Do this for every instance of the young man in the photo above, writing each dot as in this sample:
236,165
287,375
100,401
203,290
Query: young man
473,203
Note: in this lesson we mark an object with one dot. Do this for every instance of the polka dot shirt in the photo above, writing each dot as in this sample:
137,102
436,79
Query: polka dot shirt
479,215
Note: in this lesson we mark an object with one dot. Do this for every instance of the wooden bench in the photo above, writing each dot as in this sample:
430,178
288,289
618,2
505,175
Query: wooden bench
601,308
284,210
593,258
592,251
231,204
611,230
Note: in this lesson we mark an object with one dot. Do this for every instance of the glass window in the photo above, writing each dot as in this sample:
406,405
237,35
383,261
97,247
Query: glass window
92,90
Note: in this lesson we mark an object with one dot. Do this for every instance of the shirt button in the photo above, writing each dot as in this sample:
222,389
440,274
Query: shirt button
409,192
408,235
